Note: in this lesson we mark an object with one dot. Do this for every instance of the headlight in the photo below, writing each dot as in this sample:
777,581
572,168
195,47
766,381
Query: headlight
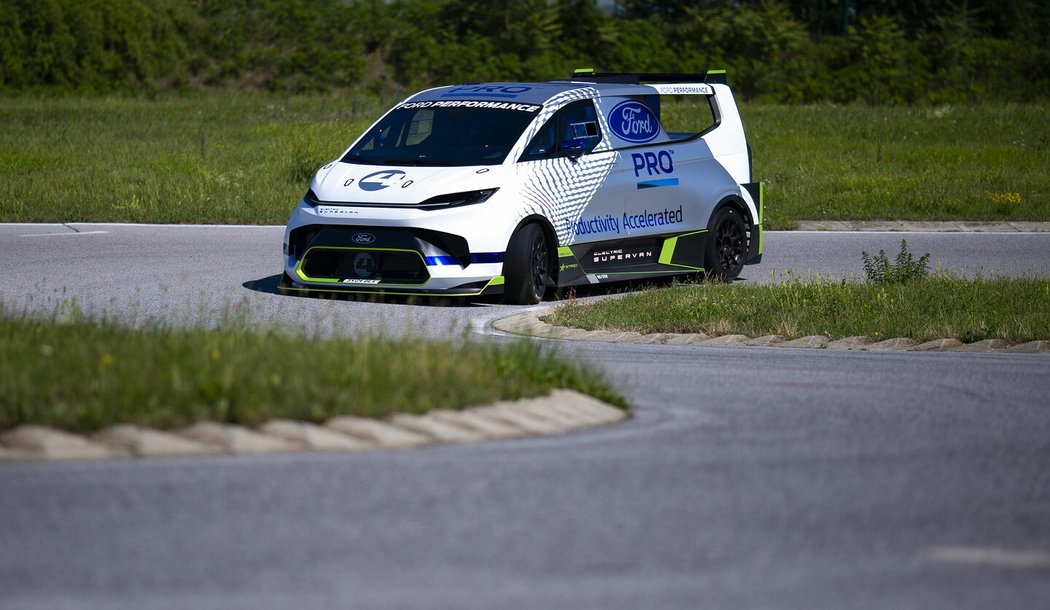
457,199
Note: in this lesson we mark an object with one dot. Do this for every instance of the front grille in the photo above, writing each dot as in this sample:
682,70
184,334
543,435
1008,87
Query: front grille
362,265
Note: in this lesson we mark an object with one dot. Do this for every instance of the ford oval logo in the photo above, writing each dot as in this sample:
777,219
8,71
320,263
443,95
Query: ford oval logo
634,122
378,181
363,238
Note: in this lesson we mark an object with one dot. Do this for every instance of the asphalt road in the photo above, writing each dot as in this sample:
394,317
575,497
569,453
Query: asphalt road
200,274
748,478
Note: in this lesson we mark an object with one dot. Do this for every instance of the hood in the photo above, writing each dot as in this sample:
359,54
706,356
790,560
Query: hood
351,183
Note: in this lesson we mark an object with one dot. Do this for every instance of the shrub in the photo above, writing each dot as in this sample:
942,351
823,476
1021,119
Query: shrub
879,270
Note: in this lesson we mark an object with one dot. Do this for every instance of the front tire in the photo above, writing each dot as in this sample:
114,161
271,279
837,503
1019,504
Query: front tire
727,244
526,269
284,284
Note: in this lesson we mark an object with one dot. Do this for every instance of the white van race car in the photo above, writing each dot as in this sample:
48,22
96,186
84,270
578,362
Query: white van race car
519,188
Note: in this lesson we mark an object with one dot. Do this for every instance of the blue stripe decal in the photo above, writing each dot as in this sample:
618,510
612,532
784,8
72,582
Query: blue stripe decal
477,257
650,184
508,96
487,257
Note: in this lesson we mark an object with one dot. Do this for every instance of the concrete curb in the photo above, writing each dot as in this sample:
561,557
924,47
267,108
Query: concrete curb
531,324
562,411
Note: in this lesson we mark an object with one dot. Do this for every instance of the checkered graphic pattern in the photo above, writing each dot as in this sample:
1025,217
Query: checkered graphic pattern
560,189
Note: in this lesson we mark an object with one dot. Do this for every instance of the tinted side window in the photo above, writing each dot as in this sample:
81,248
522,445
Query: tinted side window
573,130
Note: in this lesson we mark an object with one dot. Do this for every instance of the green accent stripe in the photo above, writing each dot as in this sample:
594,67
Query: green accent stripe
716,71
643,274
400,293
565,252
583,71
496,281
667,251
761,214
761,201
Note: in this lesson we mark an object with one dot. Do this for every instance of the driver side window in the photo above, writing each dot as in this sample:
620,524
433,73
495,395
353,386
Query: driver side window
572,131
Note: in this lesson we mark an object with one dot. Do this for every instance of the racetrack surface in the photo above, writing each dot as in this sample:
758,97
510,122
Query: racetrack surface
186,273
747,478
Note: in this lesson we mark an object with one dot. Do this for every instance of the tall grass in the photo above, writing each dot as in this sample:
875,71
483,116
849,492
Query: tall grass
247,158
76,374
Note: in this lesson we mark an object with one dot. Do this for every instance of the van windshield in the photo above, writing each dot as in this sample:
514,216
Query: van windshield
452,133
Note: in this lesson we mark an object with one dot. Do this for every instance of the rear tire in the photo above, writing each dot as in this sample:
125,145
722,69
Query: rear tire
727,245
526,269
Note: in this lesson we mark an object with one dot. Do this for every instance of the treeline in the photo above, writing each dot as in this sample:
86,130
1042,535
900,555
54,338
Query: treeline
876,51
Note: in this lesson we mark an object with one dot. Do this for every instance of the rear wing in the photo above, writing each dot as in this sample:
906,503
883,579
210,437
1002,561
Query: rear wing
711,77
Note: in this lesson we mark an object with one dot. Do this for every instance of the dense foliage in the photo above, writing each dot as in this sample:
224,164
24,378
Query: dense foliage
878,51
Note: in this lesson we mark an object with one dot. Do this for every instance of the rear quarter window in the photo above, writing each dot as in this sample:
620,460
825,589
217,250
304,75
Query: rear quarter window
684,116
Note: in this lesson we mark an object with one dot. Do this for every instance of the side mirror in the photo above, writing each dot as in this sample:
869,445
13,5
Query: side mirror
573,149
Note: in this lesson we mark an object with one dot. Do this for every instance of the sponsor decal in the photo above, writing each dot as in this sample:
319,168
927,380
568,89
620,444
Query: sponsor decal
691,89
595,225
653,163
378,181
331,210
649,219
634,122
363,238
499,91
481,104
611,224
351,280
621,255
364,265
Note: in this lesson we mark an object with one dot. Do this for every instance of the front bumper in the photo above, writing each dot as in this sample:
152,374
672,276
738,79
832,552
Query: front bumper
393,260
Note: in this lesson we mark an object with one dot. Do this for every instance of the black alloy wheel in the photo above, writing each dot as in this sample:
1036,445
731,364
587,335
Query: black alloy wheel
727,245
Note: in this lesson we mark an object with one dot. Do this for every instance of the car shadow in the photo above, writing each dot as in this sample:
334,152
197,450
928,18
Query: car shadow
270,285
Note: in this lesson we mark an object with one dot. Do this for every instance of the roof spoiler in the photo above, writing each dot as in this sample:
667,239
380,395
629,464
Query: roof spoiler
711,77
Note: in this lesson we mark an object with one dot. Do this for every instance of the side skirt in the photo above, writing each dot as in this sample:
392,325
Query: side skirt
633,258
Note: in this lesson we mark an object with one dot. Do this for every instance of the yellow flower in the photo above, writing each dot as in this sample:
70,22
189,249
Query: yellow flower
1005,197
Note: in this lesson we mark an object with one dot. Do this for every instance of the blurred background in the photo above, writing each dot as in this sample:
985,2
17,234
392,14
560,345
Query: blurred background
798,51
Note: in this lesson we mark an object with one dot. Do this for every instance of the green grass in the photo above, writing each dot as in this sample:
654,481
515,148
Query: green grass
82,375
984,162
247,158
229,158
942,306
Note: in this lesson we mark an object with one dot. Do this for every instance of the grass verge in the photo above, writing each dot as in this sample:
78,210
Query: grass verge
82,376
941,306
248,158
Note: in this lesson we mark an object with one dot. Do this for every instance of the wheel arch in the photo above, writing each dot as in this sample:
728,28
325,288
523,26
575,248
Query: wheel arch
737,202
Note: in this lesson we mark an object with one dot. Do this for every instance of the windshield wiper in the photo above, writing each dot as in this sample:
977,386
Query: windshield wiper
416,162
420,161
